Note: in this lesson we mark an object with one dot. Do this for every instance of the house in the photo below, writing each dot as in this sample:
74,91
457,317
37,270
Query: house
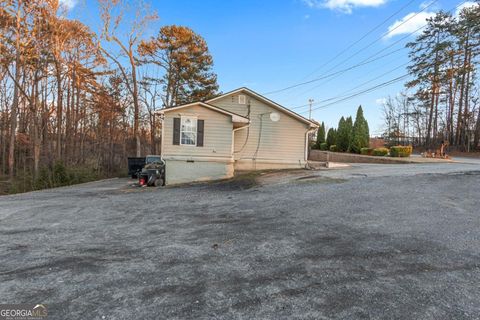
238,130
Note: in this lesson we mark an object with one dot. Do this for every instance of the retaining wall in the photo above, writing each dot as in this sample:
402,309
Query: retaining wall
317,155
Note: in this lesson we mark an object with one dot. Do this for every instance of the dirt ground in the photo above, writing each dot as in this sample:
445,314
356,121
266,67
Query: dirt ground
465,154
363,242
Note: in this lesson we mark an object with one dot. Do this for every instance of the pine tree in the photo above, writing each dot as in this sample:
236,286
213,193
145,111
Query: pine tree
331,137
444,62
187,62
467,34
320,135
349,131
343,135
429,54
360,132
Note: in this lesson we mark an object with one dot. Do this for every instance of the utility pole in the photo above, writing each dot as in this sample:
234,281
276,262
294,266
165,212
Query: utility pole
310,134
310,102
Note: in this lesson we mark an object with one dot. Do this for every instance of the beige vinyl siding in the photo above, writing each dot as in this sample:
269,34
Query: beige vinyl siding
283,140
184,172
230,103
217,141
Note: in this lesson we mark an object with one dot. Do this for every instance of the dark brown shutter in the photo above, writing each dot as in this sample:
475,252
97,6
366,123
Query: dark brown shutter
176,131
200,127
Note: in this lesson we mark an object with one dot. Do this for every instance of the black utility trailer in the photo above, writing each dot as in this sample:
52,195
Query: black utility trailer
135,166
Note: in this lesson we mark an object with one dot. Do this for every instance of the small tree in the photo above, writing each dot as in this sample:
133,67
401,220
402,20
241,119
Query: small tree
349,130
360,132
320,135
331,137
341,136
344,134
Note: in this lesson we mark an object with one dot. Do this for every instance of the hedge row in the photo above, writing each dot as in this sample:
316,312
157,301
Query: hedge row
396,151
380,152
401,151
366,151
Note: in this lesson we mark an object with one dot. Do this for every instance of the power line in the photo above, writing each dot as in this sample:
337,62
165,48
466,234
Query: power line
381,85
356,87
359,40
361,50
363,62
339,73
384,35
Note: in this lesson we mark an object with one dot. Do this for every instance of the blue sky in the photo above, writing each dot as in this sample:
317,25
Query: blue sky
272,44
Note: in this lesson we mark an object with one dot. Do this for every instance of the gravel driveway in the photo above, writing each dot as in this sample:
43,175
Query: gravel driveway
368,242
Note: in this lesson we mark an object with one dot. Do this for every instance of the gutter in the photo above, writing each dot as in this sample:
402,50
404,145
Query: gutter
233,137
162,120
309,130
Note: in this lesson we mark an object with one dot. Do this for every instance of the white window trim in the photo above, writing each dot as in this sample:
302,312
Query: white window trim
195,119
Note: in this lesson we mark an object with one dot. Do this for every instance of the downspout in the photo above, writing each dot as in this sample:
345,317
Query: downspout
310,129
306,144
233,137
248,127
162,120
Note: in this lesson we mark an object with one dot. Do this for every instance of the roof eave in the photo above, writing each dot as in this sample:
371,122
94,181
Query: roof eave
235,117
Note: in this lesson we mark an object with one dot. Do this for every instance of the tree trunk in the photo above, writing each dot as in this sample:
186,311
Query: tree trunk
460,120
136,105
35,126
13,117
451,103
59,110
4,130
476,138
75,153
435,122
430,118
466,122
68,113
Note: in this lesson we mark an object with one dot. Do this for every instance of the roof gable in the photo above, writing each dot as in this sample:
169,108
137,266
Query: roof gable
235,117
268,102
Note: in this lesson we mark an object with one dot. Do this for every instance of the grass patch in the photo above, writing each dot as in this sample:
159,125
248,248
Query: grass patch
55,176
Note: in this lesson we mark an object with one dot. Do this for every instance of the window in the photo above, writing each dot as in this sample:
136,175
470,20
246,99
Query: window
242,99
188,131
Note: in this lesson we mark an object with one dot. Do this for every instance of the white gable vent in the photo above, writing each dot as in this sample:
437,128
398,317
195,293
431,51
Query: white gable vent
242,99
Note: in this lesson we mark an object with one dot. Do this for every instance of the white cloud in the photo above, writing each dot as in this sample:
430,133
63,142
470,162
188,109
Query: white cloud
345,6
408,24
381,101
68,4
413,21
467,4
